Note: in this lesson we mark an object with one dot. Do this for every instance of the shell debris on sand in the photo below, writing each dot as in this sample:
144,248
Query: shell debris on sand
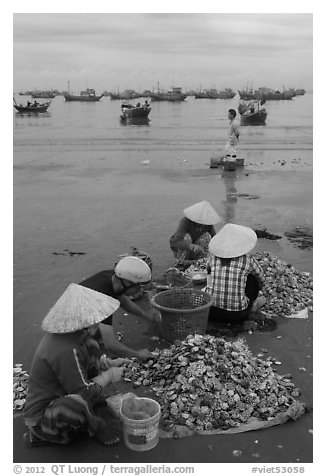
286,289
207,383
20,384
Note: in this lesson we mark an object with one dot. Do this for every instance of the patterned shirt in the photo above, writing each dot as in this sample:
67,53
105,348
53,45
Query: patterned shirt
233,134
227,283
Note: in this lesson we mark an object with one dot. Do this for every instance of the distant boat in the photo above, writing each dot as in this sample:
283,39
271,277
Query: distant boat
278,95
43,94
212,93
85,96
175,94
32,107
202,94
248,94
251,114
25,93
227,93
130,111
266,93
127,94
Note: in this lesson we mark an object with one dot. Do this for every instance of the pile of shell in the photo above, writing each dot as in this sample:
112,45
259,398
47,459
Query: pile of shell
172,277
287,290
208,383
20,383
198,267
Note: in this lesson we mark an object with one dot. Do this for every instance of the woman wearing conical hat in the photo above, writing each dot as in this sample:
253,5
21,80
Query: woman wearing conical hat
234,277
65,385
190,241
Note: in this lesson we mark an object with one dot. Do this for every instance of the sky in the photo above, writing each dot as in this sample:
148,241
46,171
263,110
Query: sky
117,51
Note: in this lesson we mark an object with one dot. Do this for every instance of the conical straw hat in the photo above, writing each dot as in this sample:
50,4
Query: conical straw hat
203,213
232,241
77,308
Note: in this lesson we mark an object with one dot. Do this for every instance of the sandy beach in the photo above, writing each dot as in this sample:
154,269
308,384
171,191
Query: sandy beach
101,205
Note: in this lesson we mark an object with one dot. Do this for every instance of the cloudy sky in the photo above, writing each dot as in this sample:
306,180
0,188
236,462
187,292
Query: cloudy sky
111,51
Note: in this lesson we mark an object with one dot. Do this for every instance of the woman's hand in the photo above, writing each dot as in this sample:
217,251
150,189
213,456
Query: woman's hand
198,251
107,363
118,362
115,374
112,375
145,354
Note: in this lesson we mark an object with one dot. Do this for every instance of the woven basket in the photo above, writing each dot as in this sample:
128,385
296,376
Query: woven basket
184,312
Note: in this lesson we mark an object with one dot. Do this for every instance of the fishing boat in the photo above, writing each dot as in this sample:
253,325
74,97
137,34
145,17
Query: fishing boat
276,95
266,93
212,93
126,94
32,107
43,95
130,111
175,94
249,94
252,114
25,93
226,93
85,96
201,94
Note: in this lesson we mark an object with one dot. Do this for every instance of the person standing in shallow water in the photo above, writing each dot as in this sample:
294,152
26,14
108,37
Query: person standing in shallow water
234,277
190,241
233,137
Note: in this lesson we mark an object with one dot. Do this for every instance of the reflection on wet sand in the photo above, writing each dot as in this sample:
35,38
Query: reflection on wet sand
229,204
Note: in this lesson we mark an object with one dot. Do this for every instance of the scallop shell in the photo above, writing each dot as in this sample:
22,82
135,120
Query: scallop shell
222,385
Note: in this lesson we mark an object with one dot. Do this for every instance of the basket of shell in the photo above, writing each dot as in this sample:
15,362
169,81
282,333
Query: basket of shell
199,278
171,278
184,311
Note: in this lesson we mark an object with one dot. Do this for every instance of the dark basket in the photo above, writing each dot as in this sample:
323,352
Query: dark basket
184,312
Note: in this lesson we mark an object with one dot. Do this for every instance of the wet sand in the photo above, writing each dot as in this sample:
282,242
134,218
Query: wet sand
102,205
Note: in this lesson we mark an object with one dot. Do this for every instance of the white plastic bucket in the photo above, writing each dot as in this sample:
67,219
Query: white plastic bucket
142,434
